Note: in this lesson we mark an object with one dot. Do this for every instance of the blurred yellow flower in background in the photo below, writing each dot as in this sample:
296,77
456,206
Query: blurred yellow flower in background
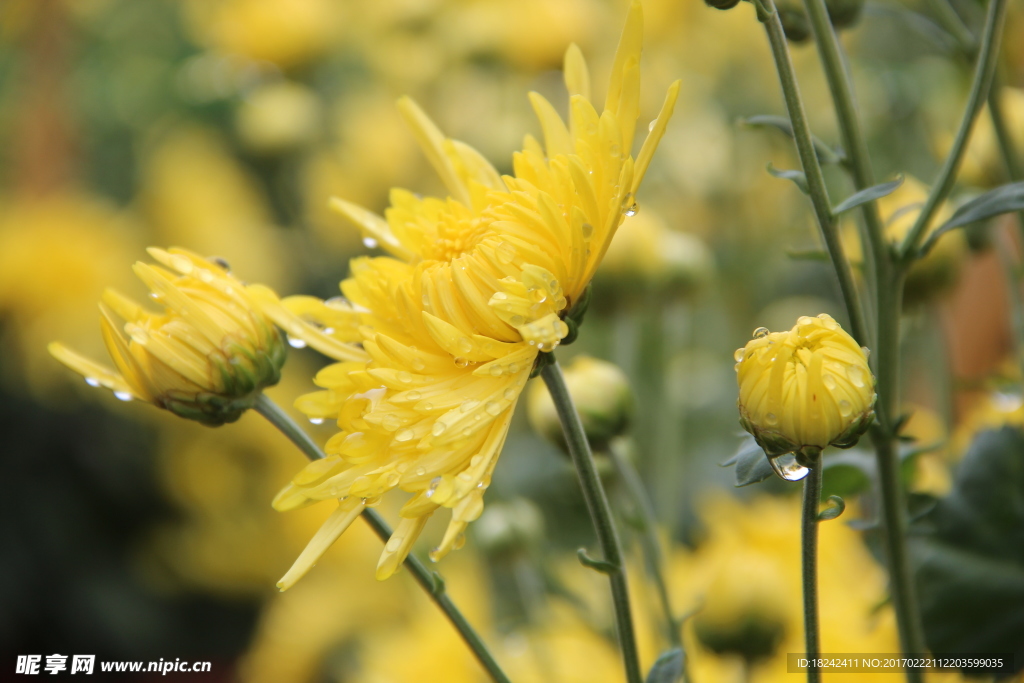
451,323
744,579
937,272
194,192
287,33
207,357
57,253
804,389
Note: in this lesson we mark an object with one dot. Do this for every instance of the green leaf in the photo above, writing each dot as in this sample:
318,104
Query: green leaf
825,154
968,553
797,177
668,668
868,194
751,463
1003,199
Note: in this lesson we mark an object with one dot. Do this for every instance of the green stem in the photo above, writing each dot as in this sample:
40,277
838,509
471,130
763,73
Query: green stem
888,280
983,74
859,162
812,169
809,564
600,514
895,531
649,534
430,581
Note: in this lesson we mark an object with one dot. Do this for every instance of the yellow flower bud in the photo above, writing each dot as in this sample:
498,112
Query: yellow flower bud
804,389
602,396
206,357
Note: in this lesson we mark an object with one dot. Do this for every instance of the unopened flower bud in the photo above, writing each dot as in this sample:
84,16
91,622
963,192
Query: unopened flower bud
844,13
722,4
206,357
795,23
509,526
602,396
805,389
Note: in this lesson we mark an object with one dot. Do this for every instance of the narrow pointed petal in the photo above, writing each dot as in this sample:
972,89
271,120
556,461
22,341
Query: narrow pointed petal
332,529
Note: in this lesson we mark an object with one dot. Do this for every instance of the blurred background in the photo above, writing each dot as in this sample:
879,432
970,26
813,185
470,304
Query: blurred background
223,126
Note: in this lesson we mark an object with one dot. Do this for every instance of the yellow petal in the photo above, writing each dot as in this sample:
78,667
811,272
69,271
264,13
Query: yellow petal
334,527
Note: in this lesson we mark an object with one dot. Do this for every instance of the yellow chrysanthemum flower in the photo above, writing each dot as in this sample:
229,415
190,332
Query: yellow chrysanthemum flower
206,357
804,389
443,333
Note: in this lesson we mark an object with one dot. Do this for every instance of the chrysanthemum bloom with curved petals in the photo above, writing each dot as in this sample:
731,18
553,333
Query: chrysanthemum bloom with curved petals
451,323
206,357
804,389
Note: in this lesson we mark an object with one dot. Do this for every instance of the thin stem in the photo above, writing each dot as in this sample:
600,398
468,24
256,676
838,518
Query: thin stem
649,535
894,528
982,82
809,564
600,514
854,142
812,169
430,581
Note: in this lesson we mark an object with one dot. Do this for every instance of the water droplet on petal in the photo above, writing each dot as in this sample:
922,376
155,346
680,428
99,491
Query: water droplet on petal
786,467
771,419
393,479
845,409
92,381
461,362
493,408
464,345
427,405
500,296
414,395
465,476
420,471
517,320
438,428
469,405
296,343
475,460
510,394
738,354
760,332
538,295
369,243
856,375
122,396
829,381
434,483
404,377
404,435
496,371
316,420
513,368
506,252
418,364
393,544
391,422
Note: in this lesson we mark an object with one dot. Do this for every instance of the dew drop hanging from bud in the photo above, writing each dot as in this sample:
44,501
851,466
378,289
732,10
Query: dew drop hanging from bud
760,332
786,467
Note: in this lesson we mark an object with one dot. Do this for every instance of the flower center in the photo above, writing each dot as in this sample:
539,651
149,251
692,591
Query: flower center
454,237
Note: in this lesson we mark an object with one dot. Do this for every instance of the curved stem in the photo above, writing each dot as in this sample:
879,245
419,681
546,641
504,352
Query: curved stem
809,565
649,535
812,169
980,86
600,514
430,581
